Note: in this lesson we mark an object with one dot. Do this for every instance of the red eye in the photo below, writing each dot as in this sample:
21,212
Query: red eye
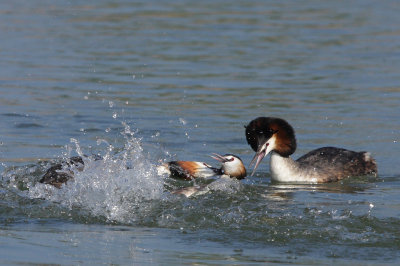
231,159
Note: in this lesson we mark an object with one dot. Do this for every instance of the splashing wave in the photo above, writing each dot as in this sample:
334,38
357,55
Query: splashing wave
108,187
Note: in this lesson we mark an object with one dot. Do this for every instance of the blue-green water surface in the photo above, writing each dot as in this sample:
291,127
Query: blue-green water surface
143,82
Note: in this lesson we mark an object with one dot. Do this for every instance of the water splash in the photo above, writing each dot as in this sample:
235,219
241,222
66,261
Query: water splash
117,187
121,187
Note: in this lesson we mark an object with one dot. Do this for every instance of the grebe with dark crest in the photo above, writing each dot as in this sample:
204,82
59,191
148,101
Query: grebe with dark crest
328,164
231,166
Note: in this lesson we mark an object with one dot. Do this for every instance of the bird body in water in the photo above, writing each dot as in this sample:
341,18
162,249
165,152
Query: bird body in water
62,172
328,164
231,166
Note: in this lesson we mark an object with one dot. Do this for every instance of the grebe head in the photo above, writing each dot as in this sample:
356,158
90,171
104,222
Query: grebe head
232,165
266,134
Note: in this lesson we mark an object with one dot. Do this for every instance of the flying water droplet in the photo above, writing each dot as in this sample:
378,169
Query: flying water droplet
182,121
107,187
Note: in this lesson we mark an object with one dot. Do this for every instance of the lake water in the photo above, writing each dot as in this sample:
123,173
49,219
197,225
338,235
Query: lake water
142,82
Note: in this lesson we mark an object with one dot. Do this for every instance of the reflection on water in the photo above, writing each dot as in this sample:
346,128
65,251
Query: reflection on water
186,79
337,187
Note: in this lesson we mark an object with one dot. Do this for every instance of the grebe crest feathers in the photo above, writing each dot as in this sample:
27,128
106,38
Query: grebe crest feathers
262,129
274,135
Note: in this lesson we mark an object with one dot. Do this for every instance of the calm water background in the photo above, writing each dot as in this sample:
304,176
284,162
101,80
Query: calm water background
139,82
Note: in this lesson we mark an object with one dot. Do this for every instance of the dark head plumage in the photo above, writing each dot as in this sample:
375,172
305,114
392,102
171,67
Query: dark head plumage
261,129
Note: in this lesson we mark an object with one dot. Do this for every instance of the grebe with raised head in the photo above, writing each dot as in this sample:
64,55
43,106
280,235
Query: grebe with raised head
231,166
328,164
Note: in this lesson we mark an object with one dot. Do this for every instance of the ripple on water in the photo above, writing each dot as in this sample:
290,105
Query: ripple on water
333,220
28,125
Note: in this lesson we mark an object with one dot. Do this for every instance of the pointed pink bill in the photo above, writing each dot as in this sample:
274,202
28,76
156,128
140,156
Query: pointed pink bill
219,158
260,154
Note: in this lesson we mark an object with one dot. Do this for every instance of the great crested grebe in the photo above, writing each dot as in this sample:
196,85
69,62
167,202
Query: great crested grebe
328,164
62,172
231,166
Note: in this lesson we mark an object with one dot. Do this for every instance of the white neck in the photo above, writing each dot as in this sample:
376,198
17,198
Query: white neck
285,169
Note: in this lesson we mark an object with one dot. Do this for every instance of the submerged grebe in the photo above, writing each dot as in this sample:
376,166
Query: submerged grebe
274,135
231,166
62,172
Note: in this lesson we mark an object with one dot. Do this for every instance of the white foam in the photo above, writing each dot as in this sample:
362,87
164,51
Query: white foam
226,185
106,187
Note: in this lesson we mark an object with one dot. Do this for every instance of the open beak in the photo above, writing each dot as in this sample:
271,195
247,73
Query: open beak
219,158
260,154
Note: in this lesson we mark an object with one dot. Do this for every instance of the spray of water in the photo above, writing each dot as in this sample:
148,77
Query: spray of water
116,187
122,186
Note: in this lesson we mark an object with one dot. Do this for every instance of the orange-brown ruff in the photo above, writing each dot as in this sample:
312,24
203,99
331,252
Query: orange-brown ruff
328,164
231,166
190,169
